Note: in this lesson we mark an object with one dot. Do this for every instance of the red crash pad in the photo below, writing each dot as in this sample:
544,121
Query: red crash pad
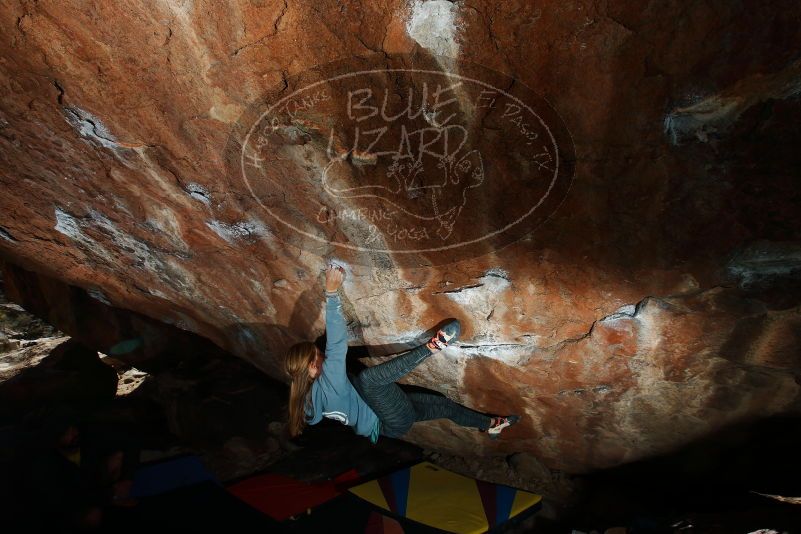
282,497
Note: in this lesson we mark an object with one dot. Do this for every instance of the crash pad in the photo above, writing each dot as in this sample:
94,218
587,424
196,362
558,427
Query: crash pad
433,496
167,475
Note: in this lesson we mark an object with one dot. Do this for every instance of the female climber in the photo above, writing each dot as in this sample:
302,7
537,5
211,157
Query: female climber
373,404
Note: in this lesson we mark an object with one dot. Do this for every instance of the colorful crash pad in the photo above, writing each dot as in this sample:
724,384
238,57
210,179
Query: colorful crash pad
444,500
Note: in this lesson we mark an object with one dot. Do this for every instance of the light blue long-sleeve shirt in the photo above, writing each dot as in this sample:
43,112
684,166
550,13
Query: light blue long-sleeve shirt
332,394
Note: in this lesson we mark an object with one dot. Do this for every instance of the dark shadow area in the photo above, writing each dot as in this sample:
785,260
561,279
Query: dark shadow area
71,374
61,459
203,507
709,484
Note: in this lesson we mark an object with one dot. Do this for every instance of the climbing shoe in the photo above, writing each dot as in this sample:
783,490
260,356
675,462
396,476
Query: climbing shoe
444,336
499,423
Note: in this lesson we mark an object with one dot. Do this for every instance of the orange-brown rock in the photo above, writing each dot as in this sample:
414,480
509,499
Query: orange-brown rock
657,301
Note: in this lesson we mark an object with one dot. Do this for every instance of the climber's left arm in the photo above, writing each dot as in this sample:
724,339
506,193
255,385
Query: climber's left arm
336,346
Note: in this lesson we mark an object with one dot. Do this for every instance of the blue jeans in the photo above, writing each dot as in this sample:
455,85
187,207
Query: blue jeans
397,410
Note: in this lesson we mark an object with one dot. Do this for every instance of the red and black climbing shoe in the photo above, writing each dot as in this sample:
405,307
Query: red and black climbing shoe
444,336
499,423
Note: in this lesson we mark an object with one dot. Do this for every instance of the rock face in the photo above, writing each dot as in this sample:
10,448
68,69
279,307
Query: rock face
657,301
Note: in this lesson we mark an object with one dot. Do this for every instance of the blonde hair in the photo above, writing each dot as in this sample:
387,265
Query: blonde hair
296,364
